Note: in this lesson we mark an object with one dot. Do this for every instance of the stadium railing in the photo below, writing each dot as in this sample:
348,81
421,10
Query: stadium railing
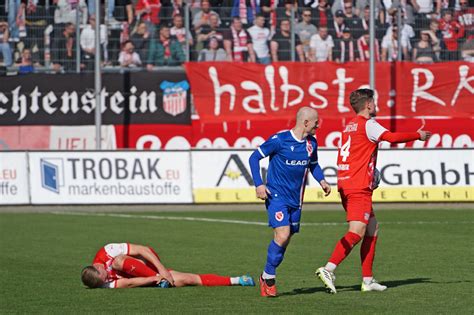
33,39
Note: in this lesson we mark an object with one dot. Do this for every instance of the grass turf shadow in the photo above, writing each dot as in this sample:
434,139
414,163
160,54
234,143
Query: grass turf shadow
389,284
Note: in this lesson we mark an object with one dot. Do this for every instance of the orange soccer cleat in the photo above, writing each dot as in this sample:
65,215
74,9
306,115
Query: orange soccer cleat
267,287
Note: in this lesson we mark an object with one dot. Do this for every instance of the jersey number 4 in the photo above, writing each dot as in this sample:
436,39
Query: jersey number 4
345,149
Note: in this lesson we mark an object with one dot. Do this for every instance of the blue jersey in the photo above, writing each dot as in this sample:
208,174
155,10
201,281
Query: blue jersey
290,160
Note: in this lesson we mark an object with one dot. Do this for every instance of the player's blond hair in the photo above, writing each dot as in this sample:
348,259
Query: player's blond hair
359,98
90,277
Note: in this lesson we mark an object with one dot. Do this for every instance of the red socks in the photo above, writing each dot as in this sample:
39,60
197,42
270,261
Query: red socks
211,280
367,253
344,247
137,268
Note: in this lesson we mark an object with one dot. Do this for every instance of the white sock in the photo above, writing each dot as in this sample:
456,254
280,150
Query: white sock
267,276
330,267
367,280
234,280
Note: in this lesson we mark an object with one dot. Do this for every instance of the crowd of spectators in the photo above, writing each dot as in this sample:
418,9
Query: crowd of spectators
149,33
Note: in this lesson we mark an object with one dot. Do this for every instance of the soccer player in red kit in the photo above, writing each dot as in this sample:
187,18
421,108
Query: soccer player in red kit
124,265
357,177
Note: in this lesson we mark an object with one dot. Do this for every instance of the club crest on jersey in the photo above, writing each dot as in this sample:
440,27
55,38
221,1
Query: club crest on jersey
292,148
279,216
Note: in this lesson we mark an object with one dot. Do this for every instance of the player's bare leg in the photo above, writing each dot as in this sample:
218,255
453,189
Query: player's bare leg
343,248
367,255
276,251
183,279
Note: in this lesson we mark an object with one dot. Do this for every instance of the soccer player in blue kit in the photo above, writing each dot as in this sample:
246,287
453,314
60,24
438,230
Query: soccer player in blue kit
292,154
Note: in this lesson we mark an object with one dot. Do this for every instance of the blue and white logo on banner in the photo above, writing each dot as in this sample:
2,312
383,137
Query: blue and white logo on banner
51,174
174,96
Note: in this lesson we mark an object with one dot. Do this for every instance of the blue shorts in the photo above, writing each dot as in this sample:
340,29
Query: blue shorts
280,214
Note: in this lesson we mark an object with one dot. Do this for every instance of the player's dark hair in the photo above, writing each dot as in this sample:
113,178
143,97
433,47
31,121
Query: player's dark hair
90,277
359,98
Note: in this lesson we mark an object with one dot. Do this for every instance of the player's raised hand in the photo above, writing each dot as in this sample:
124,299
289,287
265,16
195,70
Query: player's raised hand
424,135
262,192
326,187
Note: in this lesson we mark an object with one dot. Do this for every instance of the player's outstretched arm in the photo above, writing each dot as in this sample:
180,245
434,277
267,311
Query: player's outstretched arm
149,255
137,282
401,137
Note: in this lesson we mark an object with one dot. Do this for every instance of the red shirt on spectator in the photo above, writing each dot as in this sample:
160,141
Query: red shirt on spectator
154,8
451,31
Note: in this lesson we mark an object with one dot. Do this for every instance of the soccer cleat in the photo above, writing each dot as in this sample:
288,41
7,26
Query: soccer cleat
327,278
266,289
372,286
246,281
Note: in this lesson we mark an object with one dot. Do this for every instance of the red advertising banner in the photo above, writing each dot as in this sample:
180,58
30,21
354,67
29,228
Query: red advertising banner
225,91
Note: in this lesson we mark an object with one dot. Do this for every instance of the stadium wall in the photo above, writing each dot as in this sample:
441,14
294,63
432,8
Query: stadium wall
210,176
232,106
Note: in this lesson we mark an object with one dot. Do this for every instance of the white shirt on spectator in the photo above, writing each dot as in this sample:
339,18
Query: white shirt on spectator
321,46
64,12
260,37
426,6
407,34
126,57
88,37
391,45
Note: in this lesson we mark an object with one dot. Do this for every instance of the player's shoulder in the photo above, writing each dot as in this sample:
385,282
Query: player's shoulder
279,136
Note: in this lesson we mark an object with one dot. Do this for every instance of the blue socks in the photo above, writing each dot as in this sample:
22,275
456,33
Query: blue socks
274,257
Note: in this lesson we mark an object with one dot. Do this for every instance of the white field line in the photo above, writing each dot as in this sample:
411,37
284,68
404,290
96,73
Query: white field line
171,218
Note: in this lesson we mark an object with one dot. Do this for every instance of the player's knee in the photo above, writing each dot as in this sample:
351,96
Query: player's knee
118,262
282,238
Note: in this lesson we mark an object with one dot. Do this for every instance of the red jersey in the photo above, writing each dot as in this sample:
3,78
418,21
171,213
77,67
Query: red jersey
357,156
106,255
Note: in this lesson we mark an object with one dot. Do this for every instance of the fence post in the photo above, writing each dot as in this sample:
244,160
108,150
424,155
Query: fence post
186,26
293,37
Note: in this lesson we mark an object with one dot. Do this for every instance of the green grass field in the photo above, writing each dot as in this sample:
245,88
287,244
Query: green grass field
425,257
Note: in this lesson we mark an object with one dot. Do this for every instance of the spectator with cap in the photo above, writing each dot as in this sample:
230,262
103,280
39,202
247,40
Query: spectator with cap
345,47
338,25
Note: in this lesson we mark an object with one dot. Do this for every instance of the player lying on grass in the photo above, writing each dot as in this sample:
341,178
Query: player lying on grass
124,265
